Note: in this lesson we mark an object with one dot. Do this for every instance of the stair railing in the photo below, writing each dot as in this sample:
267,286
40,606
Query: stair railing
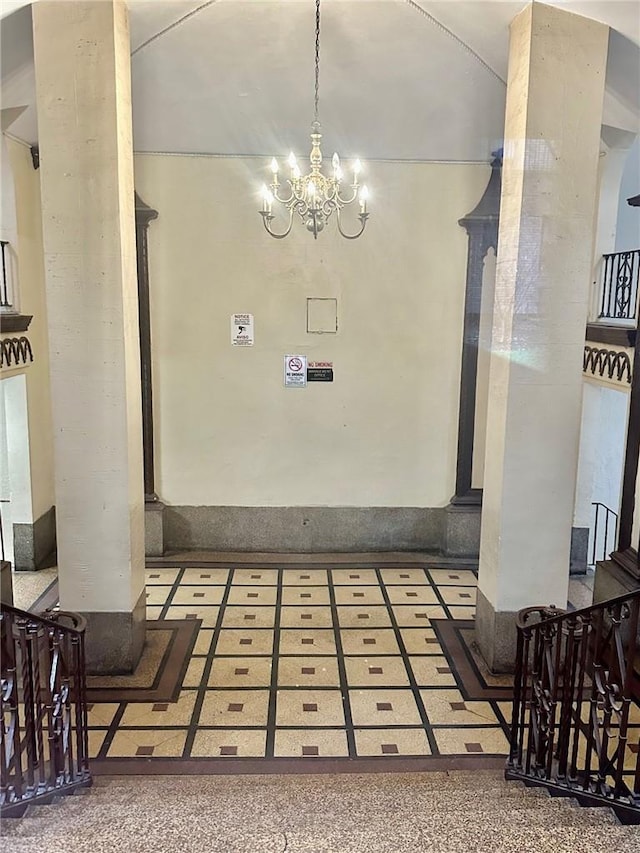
575,686
603,539
44,746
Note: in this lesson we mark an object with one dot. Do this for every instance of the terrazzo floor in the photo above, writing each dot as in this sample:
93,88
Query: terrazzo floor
277,666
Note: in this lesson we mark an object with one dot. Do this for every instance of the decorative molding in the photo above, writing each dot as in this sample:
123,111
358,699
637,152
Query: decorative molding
15,322
617,336
481,225
15,351
145,215
607,364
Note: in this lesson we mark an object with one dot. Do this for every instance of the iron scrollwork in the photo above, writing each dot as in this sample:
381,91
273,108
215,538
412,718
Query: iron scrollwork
607,363
15,351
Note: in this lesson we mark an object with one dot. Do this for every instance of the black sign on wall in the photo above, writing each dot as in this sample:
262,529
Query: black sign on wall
320,371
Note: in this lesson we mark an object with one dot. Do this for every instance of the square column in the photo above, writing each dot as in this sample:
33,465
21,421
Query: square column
83,78
555,92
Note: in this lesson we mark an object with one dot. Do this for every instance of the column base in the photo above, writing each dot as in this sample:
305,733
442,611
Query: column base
462,530
496,636
154,528
34,543
114,641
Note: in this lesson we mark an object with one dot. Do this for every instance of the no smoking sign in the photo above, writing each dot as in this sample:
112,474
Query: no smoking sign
295,371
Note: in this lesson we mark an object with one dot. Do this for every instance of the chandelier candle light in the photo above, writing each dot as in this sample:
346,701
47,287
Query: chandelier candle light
314,197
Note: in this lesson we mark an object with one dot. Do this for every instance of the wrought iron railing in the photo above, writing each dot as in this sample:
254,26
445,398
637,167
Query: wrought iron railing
619,294
43,734
5,290
605,532
575,686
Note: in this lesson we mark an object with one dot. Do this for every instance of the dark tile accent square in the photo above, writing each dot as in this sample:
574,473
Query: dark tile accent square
145,750
249,617
154,576
305,595
246,641
465,595
375,670
255,577
308,670
228,750
206,577
242,670
305,578
309,706
369,641
406,577
358,594
198,594
389,748
634,748
310,750
411,594
354,577
147,595
458,706
307,641
430,641
384,706
443,670
454,577
160,706
306,615
363,615
473,747
235,706
252,595
421,616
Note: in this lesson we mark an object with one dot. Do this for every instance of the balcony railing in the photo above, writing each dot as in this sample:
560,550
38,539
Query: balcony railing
43,730
575,685
619,290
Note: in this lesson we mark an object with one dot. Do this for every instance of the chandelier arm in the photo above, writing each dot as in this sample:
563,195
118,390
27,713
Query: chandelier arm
286,201
345,201
266,220
363,219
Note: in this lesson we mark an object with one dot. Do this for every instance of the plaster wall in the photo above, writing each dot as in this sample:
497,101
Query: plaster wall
602,449
228,432
30,275
628,226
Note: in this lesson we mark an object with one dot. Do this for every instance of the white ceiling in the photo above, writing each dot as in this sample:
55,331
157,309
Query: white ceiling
399,79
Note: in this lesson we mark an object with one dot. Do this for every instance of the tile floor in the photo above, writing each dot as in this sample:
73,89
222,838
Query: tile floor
308,662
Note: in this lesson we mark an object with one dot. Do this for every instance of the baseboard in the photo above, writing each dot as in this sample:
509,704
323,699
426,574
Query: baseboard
33,544
303,529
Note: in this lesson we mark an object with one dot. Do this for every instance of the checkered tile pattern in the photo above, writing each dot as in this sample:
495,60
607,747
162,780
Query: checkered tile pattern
331,662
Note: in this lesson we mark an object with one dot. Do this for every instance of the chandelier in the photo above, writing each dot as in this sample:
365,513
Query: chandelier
314,197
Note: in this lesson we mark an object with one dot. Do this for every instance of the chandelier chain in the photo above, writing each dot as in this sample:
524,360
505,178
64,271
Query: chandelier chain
317,60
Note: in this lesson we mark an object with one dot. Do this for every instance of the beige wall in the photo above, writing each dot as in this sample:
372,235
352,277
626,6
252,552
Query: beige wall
227,431
33,301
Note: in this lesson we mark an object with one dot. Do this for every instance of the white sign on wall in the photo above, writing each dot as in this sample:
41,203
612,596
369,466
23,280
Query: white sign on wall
295,371
242,330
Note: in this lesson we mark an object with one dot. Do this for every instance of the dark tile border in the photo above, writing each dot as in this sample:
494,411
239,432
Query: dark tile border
470,680
171,671
268,766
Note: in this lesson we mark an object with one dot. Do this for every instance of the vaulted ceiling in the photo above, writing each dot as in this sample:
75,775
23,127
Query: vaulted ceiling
399,79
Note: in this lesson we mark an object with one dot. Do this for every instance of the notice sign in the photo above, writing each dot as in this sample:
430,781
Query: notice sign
295,371
320,371
242,330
